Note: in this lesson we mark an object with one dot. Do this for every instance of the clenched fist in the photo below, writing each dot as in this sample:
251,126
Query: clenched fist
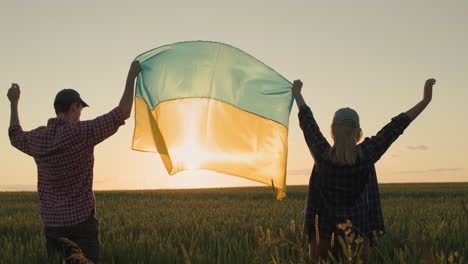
428,90
14,93
297,87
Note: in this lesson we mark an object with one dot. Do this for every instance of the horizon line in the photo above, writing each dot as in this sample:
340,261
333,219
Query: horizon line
211,188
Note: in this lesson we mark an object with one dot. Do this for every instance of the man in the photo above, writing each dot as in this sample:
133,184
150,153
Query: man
63,152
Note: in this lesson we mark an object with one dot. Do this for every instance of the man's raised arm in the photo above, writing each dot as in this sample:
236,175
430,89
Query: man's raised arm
18,138
126,102
14,95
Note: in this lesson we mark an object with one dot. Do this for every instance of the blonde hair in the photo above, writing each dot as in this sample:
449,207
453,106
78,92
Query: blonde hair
344,150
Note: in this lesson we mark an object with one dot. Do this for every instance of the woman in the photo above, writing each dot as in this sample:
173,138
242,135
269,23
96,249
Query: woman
343,185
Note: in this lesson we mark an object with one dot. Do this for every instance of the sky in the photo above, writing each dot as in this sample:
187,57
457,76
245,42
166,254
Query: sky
373,56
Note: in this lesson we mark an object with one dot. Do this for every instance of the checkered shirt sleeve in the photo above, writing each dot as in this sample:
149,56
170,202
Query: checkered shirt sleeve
317,143
374,147
102,127
20,139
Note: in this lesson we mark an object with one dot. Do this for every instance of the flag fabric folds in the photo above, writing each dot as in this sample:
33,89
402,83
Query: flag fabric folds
208,105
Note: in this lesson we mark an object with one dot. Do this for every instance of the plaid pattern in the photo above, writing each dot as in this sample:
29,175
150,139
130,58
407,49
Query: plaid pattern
64,155
337,193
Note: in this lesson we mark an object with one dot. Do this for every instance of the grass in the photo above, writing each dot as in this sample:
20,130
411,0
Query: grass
426,223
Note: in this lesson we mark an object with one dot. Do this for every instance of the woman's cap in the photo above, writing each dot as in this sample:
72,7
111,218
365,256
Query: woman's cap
343,117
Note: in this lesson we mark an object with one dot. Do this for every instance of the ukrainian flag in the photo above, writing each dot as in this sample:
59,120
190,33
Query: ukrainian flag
208,105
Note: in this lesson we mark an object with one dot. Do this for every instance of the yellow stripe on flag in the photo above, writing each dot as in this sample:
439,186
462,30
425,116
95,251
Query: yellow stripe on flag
205,133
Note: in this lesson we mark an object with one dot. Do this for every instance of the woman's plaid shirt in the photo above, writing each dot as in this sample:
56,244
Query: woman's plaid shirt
64,155
337,193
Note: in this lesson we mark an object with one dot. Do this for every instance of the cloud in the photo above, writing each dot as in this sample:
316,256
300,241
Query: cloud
437,170
446,169
17,188
419,147
300,172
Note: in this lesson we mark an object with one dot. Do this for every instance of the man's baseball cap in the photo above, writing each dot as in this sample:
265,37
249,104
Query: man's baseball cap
65,98
343,115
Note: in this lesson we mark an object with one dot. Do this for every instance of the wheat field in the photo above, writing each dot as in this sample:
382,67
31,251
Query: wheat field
426,223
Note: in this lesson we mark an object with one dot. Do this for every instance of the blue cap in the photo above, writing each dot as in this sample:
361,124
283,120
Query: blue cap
344,115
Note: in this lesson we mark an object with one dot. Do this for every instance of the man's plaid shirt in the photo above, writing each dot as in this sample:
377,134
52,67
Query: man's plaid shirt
64,155
337,193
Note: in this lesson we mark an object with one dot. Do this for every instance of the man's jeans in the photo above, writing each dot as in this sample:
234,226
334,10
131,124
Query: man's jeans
84,234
